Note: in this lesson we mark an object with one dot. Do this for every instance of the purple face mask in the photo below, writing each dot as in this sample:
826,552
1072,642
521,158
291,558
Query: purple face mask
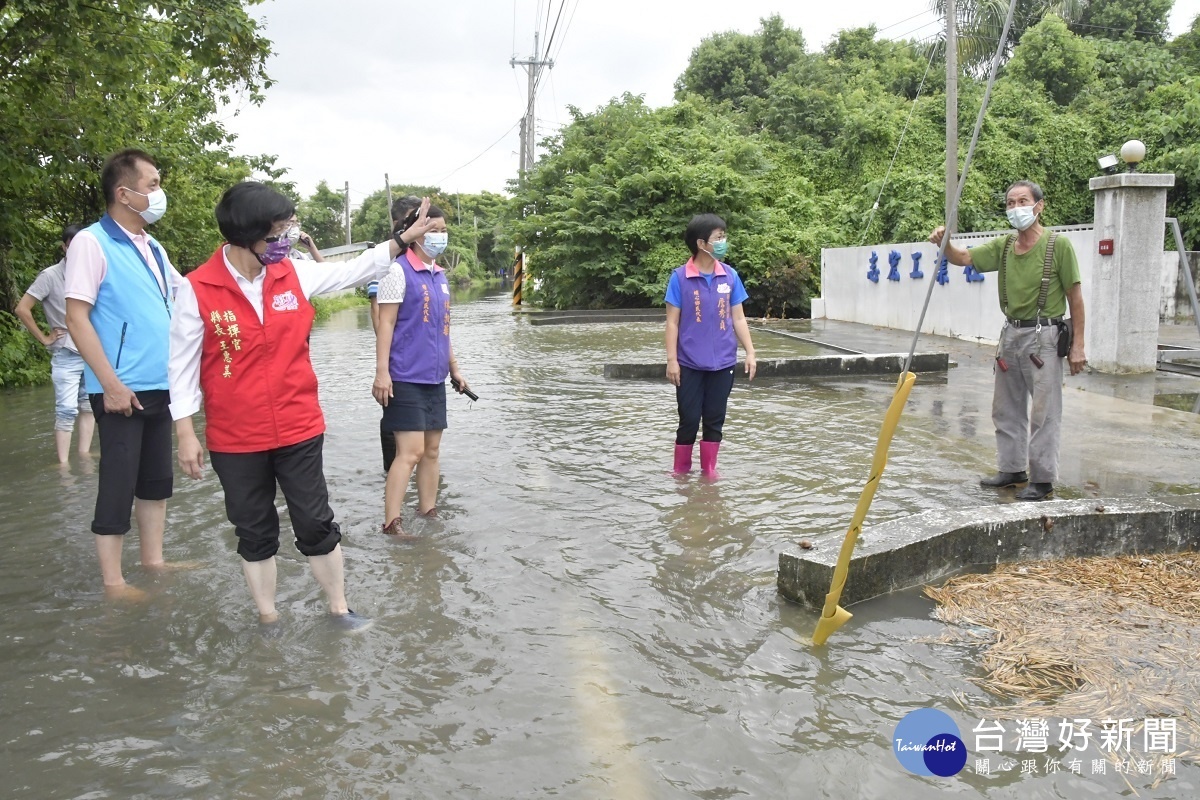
275,252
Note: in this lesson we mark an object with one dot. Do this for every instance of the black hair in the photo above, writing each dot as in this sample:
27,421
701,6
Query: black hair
248,210
120,169
69,232
433,213
701,227
1033,188
402,205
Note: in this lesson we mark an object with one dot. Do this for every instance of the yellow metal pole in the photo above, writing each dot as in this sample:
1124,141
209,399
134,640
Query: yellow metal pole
834,616
518,278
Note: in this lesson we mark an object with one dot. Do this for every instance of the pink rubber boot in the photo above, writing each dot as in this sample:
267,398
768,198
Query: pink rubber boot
708,459
683,459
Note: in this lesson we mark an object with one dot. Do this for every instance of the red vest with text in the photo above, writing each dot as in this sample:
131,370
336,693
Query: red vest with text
260,391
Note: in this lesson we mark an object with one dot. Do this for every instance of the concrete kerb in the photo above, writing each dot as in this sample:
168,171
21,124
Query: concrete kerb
575,316
809,367
937,544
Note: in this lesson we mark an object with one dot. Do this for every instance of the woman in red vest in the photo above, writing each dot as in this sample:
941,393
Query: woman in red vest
239,343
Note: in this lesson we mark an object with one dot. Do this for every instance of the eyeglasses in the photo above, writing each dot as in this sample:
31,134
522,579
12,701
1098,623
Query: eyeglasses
291,234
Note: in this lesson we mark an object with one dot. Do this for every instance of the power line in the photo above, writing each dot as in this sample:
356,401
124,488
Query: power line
537,82
901,22
563,40
554,30
547,17
481,155
904,36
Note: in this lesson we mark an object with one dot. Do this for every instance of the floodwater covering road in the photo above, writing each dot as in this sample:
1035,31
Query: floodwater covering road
578,623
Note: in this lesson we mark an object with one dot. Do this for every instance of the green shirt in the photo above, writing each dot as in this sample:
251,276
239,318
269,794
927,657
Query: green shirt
1024,278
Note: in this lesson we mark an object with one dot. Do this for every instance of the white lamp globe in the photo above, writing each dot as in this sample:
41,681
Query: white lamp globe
1133,151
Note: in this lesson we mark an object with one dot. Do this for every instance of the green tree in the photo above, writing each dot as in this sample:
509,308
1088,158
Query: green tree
980,23
322,215
1186,47
1146,20
608,204
735,66
1050,55
81,80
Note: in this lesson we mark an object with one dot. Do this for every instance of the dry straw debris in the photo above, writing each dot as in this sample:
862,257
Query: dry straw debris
1097,638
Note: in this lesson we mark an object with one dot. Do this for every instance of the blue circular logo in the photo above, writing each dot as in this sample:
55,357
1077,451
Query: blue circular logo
927,742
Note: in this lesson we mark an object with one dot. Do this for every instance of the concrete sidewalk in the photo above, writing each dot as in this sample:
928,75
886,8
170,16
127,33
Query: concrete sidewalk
1123,435
1129,474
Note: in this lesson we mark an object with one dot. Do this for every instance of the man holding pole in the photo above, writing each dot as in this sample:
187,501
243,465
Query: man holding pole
1038,281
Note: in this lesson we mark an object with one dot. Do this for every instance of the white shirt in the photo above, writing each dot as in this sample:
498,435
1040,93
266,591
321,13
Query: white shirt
187,327
392,286
87,266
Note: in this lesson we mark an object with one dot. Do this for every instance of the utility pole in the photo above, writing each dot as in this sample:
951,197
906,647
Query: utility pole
388,184
533,66
347,209
951,111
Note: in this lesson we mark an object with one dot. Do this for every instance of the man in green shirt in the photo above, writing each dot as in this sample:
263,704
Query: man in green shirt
1034,294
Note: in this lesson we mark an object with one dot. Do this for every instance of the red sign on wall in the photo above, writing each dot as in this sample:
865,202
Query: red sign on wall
1106,247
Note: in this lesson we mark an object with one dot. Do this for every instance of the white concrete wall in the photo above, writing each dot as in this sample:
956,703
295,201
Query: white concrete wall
1169,302
959,309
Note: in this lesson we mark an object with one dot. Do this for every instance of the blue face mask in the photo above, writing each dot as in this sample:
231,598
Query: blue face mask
720,248
434,243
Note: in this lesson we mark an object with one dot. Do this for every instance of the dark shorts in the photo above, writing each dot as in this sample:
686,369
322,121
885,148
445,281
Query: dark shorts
415,407
135,458
250,481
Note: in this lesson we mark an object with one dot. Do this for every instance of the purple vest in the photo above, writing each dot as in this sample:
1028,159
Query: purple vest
421,340
706,338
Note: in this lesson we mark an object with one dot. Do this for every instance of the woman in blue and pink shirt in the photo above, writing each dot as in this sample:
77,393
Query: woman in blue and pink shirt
705,324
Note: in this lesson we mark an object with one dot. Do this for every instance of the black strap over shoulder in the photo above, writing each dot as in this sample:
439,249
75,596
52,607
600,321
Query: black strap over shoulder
1047,271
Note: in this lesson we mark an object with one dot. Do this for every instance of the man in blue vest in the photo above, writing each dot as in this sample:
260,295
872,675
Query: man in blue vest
119,288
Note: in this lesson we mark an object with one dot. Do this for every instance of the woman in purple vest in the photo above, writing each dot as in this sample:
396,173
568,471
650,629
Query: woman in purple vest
705,323
413,356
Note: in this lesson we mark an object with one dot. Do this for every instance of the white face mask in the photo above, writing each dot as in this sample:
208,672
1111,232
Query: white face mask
158,205
1021,217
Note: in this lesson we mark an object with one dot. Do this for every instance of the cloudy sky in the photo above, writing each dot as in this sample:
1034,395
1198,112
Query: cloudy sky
425,91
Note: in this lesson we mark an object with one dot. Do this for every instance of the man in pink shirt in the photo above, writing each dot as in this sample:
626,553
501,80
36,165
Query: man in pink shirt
120,288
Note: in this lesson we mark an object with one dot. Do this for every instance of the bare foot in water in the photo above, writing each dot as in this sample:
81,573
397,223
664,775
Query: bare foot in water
394,530
124,593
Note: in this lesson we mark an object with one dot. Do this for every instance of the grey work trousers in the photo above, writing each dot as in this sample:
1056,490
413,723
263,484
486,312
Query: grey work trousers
1027,403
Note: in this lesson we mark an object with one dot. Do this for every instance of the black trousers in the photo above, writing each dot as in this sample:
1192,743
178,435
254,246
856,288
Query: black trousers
249,481
702,396
135,459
